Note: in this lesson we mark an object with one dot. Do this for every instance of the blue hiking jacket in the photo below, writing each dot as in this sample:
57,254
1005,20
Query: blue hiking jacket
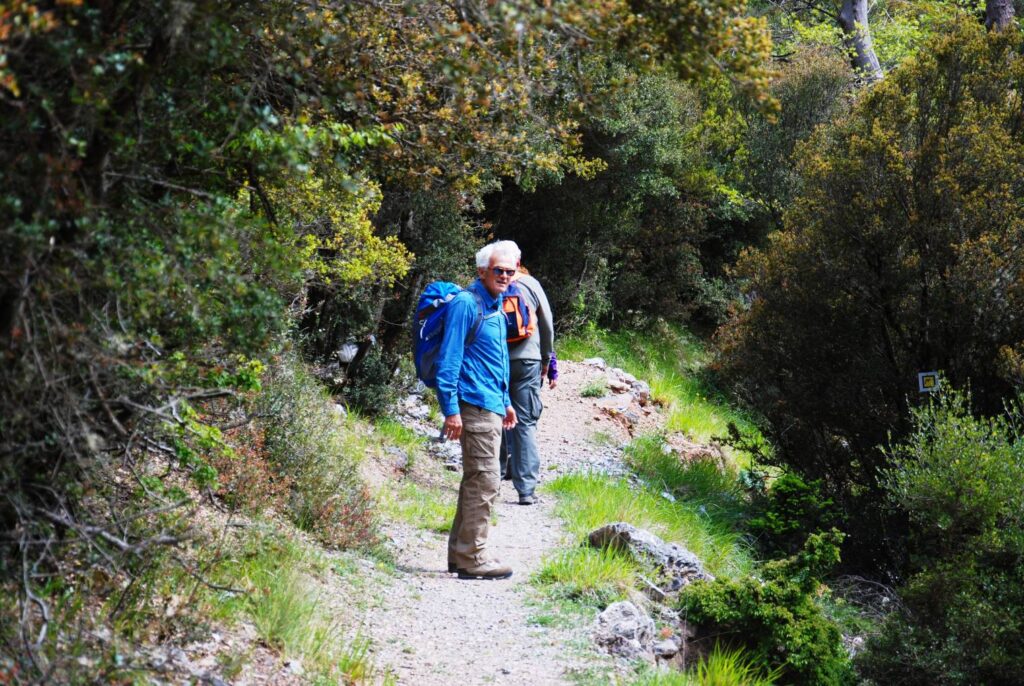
476,373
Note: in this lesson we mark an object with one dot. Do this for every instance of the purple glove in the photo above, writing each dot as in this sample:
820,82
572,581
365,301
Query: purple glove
552,367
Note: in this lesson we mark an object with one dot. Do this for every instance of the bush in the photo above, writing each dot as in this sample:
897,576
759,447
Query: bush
790,509
308,442
777,615
958,478
245,477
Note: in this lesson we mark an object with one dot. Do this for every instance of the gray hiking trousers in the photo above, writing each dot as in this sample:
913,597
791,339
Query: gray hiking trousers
520,459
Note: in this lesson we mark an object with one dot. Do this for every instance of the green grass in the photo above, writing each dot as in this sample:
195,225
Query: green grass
393,433
720,668
706,485
673,363
421,507
590,576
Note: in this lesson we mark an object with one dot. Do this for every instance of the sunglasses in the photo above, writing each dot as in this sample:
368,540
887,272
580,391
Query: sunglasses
498,271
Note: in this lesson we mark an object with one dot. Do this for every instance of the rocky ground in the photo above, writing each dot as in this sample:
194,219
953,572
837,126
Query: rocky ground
432,628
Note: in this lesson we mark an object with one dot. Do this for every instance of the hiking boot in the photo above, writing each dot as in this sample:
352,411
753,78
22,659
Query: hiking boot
530,499
452,568
492,569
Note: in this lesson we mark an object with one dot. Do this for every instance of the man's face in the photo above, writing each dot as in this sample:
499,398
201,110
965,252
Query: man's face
498,275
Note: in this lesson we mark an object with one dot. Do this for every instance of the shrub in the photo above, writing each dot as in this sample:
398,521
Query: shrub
245,477
720,668
958,478
373,390
777,615
310,443
790,508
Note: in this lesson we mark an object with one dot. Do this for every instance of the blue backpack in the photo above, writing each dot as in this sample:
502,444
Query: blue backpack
428,327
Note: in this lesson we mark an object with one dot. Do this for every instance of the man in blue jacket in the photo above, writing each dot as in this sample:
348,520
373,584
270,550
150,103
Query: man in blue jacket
472,388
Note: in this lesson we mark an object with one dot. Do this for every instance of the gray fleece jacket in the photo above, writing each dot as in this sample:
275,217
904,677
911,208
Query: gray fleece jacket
541,343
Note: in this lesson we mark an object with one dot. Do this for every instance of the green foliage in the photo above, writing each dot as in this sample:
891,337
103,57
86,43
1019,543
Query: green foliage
898,255
777,616
958,479
899,29
419,506
810,89
373,389
594,389
187,182
588,576
640,220
790,508
282,599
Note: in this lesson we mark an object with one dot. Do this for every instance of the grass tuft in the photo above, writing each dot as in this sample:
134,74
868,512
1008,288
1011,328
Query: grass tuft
721,668
281,598
594,389
424,508
594,577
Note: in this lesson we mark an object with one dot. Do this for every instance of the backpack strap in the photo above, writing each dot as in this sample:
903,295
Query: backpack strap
471,335
480,316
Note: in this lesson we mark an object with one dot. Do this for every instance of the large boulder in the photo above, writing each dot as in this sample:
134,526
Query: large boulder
677,565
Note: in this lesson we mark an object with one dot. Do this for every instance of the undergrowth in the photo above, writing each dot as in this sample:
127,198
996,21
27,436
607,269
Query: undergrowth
279,588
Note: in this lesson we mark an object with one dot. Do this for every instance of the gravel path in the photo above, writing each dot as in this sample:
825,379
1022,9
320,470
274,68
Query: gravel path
435,629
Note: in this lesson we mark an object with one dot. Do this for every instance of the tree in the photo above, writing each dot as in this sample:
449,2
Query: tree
851,16
902,253
853,19
182,179
999,14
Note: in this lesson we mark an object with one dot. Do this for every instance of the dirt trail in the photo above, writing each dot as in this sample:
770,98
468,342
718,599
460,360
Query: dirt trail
433,628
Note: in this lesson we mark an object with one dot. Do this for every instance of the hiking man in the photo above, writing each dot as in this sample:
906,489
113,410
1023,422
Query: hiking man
530,360
472,389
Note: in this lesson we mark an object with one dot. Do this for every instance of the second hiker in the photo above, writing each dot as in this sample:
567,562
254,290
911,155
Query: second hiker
530,360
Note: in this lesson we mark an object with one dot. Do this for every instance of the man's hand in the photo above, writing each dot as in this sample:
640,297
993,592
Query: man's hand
510,418
452,428
552,383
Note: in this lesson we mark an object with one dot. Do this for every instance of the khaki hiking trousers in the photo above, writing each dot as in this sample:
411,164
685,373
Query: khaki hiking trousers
481,442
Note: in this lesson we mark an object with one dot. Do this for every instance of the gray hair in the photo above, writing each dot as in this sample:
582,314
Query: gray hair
505,248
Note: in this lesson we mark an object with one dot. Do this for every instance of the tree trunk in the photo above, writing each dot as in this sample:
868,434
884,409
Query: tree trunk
998,14
853,20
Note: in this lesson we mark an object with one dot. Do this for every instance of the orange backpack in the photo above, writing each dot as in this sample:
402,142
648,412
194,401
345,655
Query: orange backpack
519,319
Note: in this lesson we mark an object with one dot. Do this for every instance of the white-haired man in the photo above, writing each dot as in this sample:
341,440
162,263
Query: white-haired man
472,389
